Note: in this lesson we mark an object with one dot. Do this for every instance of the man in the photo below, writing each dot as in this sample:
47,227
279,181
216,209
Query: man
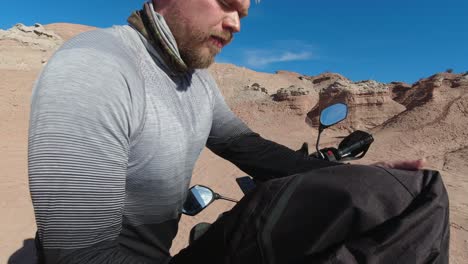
119,116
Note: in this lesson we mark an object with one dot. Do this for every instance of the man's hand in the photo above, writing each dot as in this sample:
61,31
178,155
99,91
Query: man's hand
403,165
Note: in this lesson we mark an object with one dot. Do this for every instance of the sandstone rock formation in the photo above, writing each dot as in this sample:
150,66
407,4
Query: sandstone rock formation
232,80
36,37
429,89
370,103
399,91
298,99
66,30
429,100
27,48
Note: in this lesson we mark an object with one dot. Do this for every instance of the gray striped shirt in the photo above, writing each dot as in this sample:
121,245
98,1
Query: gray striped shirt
113,140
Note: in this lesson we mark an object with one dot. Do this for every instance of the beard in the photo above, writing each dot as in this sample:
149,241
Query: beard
195,50
193,43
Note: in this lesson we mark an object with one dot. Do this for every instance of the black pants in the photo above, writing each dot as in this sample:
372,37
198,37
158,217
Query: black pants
341,214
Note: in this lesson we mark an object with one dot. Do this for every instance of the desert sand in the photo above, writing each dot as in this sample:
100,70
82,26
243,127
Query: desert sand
427,119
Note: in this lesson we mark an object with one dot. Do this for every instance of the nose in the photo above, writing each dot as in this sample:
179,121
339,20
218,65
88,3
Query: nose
232,22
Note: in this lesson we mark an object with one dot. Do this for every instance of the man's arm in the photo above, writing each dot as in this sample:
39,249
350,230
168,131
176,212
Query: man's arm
80,127
263,159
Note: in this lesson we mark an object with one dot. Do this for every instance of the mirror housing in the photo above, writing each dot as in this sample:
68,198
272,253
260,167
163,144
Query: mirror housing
198,198
329,116
333,114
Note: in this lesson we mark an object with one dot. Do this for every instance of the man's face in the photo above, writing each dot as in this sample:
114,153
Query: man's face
203,27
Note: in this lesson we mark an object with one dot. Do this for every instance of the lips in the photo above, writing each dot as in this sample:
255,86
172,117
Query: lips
220,42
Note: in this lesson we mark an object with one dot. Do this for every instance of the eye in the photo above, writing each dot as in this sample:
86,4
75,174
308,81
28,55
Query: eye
233,5
224,3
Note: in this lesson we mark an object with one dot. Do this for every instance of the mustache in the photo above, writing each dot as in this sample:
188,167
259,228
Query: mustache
226,36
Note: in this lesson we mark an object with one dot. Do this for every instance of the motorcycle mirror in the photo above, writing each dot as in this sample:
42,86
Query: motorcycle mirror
333,114
198,198
329,116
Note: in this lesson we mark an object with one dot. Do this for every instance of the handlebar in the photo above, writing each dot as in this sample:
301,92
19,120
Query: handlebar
357,147
354,146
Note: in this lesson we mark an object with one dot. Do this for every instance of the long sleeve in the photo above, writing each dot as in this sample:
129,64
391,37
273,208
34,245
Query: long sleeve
263,159
80,126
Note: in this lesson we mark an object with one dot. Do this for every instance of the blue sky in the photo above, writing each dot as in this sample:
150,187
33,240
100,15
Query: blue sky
384,40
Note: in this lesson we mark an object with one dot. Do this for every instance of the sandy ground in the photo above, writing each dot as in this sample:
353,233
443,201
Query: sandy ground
17,221
436,131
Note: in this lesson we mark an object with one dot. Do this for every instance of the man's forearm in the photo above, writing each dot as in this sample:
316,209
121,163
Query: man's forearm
264,159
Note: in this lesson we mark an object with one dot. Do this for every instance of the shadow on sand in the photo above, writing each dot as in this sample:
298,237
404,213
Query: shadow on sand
24,255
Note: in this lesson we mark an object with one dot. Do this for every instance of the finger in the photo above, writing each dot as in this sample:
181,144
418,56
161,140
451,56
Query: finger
409,164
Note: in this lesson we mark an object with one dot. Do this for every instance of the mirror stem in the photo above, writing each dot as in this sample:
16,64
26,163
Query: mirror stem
319,154
217,196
